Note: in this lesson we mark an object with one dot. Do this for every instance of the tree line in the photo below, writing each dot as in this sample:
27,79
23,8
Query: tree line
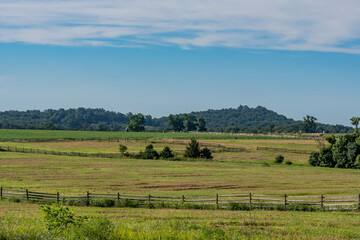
232,120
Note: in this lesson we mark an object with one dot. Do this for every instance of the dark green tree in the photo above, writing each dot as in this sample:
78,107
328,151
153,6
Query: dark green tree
166,153
176,122
355,121
150,153
271,128
136,124
309,124
190,122
123,150
201,124
192,149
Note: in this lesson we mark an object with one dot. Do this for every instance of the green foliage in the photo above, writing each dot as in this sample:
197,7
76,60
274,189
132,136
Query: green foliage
331,139
58,217
309,125
123,150
103,203
136,124
355,121
205,153
314,159
166,153
149,153
192,149
342,153
176,122
201,124
190,122
279,159
288,162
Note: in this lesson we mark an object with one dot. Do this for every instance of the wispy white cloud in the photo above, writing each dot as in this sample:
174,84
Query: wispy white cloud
318,25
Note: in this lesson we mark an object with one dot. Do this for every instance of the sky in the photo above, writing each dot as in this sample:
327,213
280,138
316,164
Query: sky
159,57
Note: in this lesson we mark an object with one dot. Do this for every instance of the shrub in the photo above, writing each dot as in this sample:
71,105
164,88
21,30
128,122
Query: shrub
314,159
166,153
103,203
13,199
193,150
149,153
56,217
288,162
123,150
205,153
279,159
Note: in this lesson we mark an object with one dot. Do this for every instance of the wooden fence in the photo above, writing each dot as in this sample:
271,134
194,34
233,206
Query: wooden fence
250,201
289,150
58,152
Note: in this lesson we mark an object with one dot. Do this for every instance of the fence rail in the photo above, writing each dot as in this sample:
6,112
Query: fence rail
251,201
58,152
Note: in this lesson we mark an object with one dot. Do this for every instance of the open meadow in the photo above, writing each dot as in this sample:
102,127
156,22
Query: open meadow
240,165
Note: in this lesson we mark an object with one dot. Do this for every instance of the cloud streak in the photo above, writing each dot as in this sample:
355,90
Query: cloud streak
316,25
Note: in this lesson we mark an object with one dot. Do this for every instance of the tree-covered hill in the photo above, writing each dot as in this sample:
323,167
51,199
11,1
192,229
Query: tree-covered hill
241,119
259,119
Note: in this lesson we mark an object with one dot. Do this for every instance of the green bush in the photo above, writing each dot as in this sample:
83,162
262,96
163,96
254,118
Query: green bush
166,153
103,203
58,217
205,153
288,162
279,159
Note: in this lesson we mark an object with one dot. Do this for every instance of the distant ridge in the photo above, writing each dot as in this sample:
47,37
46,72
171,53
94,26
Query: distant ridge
241,119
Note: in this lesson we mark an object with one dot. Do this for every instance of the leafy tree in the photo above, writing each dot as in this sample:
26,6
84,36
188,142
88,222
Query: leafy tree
309,124
330,139
176,122
166,153
136,124
150,153
355,121
343,153
190,122
201,124
192,149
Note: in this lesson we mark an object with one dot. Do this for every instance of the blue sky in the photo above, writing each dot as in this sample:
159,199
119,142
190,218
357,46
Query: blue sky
161,57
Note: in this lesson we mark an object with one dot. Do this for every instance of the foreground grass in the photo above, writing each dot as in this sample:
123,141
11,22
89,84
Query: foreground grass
22,221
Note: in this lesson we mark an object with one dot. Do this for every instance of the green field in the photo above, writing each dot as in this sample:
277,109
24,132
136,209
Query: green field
230,172
23,221
11,134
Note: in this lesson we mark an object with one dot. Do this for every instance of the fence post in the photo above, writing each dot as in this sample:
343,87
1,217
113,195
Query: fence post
149,198
358,206
322,201
58,197
1,190
27,194
118,197
285,201
183,199
217,199
250,201
87,198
